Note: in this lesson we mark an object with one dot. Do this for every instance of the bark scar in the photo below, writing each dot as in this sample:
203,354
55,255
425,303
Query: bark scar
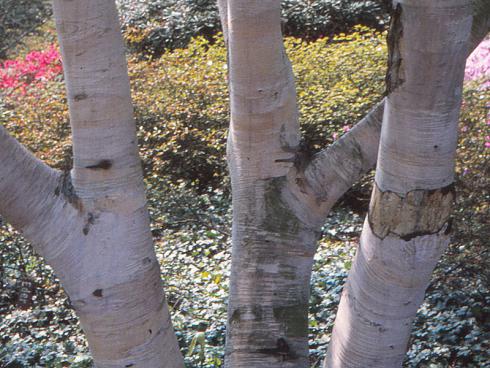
282,350
66,189
101,165
417,213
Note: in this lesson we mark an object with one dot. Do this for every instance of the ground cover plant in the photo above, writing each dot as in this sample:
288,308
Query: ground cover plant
181,109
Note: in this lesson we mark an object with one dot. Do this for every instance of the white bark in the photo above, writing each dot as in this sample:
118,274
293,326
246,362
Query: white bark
408,224
267,325
92,224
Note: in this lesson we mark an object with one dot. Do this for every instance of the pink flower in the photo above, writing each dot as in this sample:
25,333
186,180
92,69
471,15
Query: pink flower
36,67
478,64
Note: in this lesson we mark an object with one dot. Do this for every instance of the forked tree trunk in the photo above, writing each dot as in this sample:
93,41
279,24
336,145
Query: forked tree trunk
92,225
278,206
272,247
408,225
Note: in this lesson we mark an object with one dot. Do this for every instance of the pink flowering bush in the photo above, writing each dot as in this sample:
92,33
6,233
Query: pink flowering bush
478,64
36,67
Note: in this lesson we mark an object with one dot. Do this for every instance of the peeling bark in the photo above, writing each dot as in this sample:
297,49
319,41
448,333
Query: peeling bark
394,74
416,213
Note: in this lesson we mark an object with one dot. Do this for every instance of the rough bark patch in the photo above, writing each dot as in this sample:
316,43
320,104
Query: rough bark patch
419,212
65,188
282,350
395,71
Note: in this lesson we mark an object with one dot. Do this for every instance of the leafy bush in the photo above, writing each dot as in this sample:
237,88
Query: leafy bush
313,19
19,18
478,64
155,25
181,109
181,100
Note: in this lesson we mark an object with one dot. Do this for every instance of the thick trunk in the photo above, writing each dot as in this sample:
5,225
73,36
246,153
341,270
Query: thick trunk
108,265
408,224
92,224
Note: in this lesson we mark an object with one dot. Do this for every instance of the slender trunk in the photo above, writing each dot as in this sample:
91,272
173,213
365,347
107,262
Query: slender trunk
278,207
408,224
272,247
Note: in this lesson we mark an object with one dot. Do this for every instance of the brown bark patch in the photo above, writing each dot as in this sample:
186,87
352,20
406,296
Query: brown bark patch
281,350
101,165
80,96
66,189
294,318
98,293
419,212
395,71
279,216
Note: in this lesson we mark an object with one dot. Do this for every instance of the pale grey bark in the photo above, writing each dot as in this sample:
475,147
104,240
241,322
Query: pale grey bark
91,224
267,323
408,224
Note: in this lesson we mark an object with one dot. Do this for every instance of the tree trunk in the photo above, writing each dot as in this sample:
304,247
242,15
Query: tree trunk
278,206
267,325
408,225
92,225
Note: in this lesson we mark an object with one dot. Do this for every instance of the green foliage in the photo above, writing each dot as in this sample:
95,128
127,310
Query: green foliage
152,26
312,19
182,114
181,100
19,18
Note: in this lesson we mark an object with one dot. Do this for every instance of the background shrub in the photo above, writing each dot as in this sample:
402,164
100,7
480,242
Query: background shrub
181,100
19,18
152,26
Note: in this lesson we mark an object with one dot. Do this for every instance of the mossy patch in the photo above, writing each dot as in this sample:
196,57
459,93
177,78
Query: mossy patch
279,218
294,318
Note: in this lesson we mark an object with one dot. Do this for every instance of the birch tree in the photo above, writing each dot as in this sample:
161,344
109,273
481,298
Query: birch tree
408,225
91,224
282,195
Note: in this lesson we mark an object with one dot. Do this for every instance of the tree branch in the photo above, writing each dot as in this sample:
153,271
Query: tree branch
30,195
335,169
